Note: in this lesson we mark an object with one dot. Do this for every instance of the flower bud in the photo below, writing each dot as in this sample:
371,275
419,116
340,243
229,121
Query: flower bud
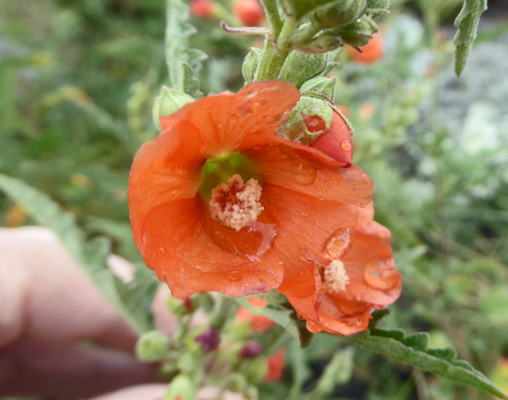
336,142
300,67
250,64
167,102
358,33
339,13
321,85
251,349
180,388
209,339
322,43
255,370
297,130
152,346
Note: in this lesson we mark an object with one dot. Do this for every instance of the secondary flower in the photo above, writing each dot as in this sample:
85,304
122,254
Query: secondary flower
258,323
219,202
338,297
370,53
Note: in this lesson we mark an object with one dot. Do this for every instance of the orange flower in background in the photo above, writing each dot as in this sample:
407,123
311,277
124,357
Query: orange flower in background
340,296
258,323
276,364
219,202
371,52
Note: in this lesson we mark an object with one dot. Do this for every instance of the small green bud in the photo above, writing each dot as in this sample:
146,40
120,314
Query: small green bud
321,85
255,370
237,383
152,346
181,388
359,32
167,102
186,362
300,67
296,129
338,13
251,393
322,43
250,64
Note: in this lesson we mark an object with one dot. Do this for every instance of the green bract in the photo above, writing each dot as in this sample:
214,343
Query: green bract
167,102
300,67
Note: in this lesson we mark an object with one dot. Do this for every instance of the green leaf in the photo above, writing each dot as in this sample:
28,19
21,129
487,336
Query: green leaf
338,371
183,63
284,317
467,25
412,350
92,256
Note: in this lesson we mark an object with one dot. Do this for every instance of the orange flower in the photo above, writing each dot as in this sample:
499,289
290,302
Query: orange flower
340,297
276,364
258,323
371,52
219,202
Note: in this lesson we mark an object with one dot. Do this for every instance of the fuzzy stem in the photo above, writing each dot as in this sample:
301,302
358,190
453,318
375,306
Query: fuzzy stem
271,62
272,15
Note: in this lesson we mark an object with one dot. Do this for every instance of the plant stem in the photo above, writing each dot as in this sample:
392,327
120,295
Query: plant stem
271,62
272,15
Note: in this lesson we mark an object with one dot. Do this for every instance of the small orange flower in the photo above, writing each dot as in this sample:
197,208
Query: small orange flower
276,364
339,297
258,323
371,52
219,202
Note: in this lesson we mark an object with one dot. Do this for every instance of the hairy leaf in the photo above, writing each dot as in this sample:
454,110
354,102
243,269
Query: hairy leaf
411,349
183,63
467,25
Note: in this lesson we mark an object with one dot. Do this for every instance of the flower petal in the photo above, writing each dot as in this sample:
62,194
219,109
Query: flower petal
297,170
371,269
305,225
176,245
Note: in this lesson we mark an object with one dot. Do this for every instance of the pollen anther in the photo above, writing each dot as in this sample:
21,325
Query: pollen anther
335,277
235,203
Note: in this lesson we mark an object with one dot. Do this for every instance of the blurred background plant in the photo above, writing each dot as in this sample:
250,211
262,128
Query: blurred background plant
77,83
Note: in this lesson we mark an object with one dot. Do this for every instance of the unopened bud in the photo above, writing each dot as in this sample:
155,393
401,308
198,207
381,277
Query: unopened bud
339,13
300,67
167,102
180,388
255,370
152,346
209,339
251,349
250,64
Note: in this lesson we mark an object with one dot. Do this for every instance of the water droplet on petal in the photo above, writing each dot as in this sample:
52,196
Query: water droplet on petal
381,275
346,145
303,173
338,244
304,214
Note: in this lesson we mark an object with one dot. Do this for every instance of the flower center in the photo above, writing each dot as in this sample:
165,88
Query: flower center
335,277
235,203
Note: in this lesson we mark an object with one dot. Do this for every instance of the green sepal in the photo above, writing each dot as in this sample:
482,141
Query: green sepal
181,387
359,32
338,13
300,67
152,346
167,102
321,85
255,370
322,43
295,128
250,64
376,8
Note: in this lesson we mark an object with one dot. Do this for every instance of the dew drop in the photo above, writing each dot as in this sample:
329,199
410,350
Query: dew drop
304,214
346,145
338,244
380,275
304,174
161,249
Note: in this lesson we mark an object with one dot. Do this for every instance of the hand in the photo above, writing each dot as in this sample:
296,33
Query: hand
48,308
